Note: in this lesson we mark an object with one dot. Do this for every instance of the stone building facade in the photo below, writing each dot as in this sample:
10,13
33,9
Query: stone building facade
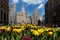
4,12
52,12
23,17
12,13
35,17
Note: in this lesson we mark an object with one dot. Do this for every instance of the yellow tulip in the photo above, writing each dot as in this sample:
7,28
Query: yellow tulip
28,24
17,30
54,29
36,33
33,26
50,33
22,27
2,27
32,30
13,26
40,31
8,29
17,26
47,29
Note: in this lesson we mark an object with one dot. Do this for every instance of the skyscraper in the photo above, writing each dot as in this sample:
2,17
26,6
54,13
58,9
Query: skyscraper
4,12
35,17
52,12
12,13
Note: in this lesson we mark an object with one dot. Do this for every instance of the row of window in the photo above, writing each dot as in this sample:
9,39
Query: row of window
4,4
3,15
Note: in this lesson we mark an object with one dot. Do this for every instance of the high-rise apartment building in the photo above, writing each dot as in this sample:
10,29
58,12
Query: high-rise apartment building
12,13
52,12
35,17
4,12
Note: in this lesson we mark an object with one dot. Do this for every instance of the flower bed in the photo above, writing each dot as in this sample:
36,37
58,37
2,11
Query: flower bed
28,32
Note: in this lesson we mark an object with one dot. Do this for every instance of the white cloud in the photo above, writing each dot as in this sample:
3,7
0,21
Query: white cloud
42,13
15,1
40,6
41,18
33,1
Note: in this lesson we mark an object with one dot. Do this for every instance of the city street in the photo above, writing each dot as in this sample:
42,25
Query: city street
29,19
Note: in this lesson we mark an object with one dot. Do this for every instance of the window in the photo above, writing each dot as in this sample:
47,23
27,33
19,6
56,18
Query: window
1,13
4,16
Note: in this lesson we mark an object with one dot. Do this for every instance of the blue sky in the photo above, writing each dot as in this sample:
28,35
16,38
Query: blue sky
30,5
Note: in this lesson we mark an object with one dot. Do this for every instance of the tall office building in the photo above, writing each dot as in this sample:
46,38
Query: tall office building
52,12
4,12
12,13
35,17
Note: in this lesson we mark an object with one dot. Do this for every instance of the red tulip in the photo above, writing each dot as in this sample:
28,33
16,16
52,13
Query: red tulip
27,28
9,32
28,38
11,29
23,37
50,30
2,30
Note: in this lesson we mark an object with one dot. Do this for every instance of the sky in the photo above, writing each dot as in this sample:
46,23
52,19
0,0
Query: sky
30,5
